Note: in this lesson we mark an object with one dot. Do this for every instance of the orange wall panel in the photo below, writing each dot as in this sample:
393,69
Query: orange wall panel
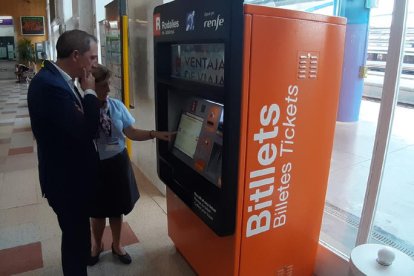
206,252
291,122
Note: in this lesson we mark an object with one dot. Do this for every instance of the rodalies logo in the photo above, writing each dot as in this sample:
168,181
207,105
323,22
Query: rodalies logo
157,24
164,27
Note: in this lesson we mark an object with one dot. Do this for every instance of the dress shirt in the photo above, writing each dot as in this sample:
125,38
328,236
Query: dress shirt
71,84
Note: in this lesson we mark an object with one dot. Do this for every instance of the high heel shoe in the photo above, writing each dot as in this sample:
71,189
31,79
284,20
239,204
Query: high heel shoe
126,258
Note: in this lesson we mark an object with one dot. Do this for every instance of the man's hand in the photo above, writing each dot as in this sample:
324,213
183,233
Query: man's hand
87,81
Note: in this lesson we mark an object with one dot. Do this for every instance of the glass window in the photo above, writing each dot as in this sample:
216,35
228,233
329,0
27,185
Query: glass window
354,143
394,224
354,151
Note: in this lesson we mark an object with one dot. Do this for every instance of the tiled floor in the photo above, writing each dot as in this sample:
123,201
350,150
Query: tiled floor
29,233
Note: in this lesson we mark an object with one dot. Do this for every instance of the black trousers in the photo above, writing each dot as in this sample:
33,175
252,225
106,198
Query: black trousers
76,241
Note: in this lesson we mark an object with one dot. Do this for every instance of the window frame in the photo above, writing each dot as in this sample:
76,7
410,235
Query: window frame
329,261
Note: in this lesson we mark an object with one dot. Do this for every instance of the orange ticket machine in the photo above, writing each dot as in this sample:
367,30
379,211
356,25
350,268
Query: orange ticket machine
253,94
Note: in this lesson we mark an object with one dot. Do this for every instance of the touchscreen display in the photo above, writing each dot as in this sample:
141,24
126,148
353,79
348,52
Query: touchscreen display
198,62
188,133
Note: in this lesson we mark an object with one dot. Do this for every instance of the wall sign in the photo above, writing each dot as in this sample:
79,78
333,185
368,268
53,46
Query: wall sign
6,22
32,25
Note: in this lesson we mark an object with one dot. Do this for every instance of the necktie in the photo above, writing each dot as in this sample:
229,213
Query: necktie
78,96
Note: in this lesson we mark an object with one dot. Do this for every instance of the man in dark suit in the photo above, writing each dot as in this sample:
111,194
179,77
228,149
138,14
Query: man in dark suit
64,125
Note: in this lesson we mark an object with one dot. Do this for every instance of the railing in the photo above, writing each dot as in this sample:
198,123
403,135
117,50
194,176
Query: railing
378,47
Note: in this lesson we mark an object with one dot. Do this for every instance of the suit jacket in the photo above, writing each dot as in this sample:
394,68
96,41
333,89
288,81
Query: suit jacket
68,161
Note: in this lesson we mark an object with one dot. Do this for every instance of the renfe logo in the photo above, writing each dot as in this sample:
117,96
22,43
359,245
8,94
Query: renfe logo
157,24
214,23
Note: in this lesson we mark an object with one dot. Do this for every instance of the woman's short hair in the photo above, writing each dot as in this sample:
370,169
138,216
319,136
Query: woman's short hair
73,40
100,73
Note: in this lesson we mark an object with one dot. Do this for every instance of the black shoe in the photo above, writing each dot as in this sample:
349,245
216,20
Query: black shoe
94,259
126,259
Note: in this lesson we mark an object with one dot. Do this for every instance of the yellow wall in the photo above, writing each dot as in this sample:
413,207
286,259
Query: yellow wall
17,8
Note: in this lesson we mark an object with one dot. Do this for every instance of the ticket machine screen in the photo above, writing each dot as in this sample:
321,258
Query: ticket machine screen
199,138
188,133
